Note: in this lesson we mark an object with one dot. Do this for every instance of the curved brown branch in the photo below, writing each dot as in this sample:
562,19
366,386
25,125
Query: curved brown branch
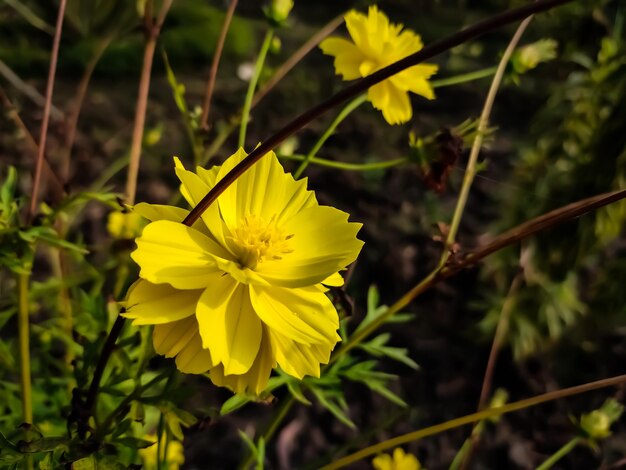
46,110
206,104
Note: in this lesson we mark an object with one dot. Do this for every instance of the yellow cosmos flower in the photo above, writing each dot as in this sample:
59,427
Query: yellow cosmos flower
378,43
243,289
399,461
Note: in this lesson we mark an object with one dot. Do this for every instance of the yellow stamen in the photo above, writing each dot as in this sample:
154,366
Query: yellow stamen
259,240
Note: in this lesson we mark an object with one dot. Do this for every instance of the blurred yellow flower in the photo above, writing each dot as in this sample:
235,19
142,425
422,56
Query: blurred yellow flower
243,289
399,461
172,460
378,43
125,225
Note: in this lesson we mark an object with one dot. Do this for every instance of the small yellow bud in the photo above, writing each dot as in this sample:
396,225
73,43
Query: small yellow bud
528,57
125,225
597,424
398,461
278,11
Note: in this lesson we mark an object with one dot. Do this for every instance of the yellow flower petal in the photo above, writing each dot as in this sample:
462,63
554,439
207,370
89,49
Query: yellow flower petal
193,358
323,243
170,338
152,304
383,462
229,327
265,191
194,188
255,380
348,57
368,32
172,253
399,461
304,315
297,359
334,280
182,339
208,176
124,225
378,43
154,212
406,43
415,79
393,102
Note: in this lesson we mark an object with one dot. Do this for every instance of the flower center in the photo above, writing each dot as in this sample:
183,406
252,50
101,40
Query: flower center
259,240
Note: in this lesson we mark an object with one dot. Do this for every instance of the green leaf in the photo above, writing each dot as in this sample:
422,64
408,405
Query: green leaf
377,348
257,450
47,463
134,442
375,380
51,237
388,394
6,356
296,391
97,462
260,456
9,454
175,417
178,89
45,444
374,310
122,428
334,403
237,401
6,315
7,190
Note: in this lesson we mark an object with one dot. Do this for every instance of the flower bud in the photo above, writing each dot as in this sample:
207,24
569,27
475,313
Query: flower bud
278,11
528,57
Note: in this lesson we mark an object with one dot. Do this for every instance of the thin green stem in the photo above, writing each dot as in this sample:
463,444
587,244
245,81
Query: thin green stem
347,166
159,433
473,418
483,123
24,342
223,134
58,262
464,77
258,67
351,106
105,354
460,455
559,454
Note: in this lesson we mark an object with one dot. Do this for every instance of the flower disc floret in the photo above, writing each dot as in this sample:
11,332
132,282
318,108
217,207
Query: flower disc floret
259,240
377,43
242,290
